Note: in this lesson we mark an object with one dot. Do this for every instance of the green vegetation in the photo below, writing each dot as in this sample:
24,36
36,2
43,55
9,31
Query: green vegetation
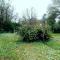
11,48
34,32
55,42
30,34
6,17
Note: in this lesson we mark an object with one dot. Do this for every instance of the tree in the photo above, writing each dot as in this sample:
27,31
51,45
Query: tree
6,16
30,17
53,12
28,30
56,3
57,27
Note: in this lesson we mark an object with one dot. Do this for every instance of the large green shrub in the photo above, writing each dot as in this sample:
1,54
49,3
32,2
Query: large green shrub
32,34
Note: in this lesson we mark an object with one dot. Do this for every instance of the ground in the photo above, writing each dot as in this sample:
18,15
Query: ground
11,48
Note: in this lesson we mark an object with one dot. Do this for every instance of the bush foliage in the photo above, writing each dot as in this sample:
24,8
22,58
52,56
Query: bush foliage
32,34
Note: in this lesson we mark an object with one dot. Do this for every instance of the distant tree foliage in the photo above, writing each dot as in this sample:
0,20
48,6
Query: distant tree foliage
53,13
56,3
6,17
57,27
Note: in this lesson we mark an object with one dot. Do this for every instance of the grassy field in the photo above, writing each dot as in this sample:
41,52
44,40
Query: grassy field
12,49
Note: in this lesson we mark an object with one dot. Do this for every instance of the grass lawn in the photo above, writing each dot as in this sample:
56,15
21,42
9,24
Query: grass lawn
12,49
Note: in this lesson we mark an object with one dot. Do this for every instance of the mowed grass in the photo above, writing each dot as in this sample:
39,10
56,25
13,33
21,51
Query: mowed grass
11,48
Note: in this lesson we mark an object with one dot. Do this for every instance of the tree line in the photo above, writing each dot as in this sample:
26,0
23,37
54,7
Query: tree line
6,17
29,27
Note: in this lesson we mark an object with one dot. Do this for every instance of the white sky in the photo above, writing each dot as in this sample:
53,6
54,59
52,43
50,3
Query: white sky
40,6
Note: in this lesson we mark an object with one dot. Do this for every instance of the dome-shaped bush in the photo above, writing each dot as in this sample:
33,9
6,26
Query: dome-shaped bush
31,34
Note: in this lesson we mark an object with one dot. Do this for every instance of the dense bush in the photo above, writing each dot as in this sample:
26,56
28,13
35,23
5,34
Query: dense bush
10,27
57,27
43,36
31,34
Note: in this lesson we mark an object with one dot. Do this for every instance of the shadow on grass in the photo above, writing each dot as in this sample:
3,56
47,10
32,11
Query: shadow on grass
22,41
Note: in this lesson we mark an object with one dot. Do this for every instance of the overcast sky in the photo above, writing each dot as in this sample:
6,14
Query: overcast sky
40,6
